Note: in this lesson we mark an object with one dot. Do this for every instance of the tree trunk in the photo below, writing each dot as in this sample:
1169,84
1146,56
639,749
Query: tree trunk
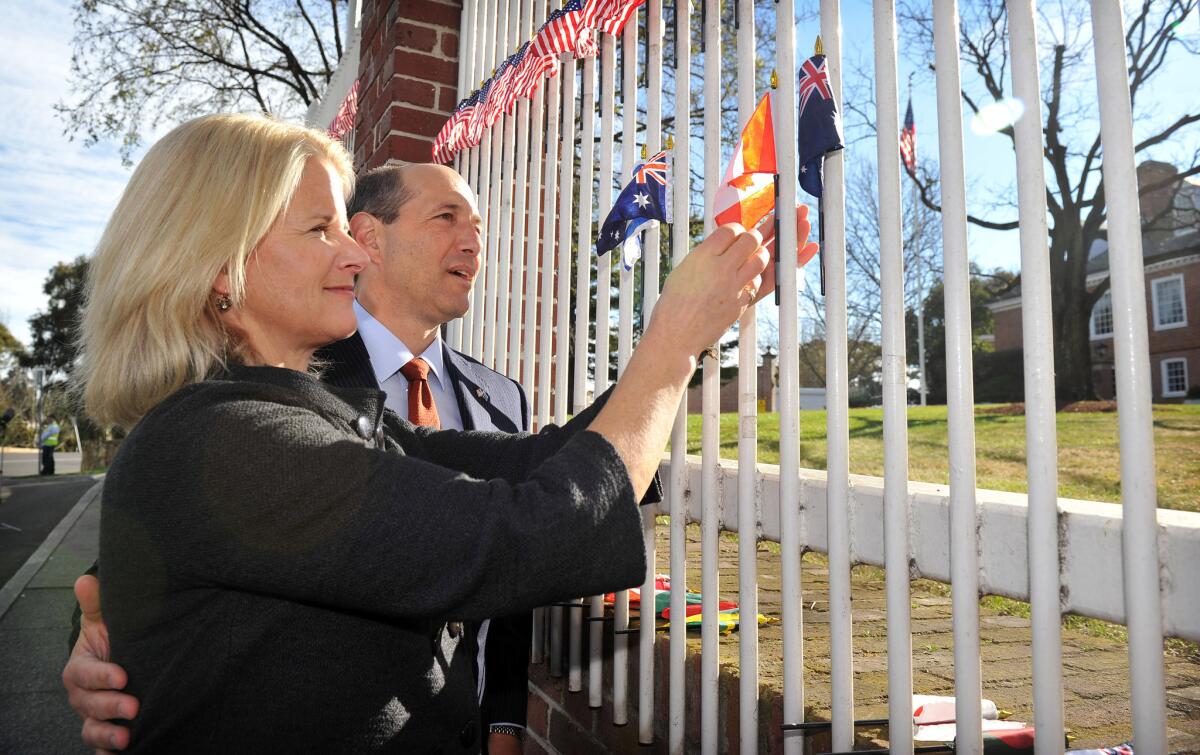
1072,338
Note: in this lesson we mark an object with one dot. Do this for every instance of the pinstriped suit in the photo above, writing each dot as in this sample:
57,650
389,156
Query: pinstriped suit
487,400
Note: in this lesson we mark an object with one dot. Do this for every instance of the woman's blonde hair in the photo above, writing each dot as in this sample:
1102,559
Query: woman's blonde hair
199,203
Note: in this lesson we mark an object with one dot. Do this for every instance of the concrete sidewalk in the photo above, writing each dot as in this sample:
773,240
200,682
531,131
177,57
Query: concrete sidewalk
35,620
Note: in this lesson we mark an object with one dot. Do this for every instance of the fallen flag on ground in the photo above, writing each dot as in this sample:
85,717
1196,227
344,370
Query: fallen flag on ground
728,618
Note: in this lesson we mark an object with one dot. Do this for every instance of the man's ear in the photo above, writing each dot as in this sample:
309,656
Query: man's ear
365,228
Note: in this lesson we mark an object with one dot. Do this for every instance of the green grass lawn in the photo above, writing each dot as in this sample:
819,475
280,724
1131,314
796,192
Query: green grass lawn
1088,456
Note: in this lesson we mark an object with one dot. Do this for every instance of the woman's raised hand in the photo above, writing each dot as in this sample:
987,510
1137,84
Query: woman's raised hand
710,289
728,271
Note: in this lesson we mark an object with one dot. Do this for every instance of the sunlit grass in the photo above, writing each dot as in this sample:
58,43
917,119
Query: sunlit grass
1088,455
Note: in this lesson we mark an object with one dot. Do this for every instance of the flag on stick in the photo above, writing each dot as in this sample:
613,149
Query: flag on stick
747,192
614,14
820,128
344,120
640,204
908,140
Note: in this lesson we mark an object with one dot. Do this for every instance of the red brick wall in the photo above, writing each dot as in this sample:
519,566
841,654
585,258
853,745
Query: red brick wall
408,69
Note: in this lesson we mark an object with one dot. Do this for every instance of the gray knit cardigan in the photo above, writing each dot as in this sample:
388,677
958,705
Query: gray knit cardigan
285,563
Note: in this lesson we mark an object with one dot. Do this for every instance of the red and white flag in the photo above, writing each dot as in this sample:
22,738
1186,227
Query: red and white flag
344,120
747,192
612,15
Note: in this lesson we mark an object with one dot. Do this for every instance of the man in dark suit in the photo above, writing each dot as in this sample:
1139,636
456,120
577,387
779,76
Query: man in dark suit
420,226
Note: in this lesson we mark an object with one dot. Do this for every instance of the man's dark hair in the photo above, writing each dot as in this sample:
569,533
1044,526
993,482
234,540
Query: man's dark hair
381,192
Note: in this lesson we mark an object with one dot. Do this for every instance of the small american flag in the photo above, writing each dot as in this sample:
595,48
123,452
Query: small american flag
908,141
560,32
344,120
619,13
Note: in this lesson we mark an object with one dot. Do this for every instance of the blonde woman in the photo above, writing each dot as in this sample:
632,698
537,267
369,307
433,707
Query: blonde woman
285,565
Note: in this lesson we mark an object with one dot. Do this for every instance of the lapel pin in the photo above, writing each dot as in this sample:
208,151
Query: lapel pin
479,394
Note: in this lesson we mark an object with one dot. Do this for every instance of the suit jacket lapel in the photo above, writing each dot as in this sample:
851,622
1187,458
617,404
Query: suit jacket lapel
347,364
468,390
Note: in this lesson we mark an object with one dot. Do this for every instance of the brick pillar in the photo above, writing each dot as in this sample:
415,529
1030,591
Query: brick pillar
408,69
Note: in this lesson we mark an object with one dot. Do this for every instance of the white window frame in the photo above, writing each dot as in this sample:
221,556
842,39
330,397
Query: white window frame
1107,295
1166,382
1154,286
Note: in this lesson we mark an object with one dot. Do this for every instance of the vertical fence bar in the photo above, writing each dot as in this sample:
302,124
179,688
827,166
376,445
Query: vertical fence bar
650,257
837,420
534,388
566,183
566,163
710,419
608,62
895,388
625,346
960,390
747,516
583,277
1139,546
522,229
479,304
789,379
545,343
677,652
507,248
1041,442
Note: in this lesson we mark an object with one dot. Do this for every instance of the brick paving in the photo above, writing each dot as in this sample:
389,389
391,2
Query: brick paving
1095,668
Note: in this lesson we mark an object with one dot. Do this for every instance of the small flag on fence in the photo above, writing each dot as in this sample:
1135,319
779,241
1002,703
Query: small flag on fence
820,127
344,120
747,192
908,141
640,204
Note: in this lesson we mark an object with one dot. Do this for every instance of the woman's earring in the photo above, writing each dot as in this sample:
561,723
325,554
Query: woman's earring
224,302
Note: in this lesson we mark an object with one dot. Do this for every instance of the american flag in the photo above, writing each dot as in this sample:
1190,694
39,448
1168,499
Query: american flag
617,13
498,98
560,32
908,141
344,120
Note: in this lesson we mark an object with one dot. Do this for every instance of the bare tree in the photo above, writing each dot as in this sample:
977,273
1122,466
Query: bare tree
139,64
1075,187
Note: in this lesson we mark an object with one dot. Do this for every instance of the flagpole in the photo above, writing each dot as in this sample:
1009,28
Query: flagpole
624,349
747,517
710,406
654,29
677,655
583,284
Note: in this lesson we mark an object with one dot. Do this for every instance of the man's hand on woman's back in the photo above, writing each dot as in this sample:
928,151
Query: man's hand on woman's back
93,682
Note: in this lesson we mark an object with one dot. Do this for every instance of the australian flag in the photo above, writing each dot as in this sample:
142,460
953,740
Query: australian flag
820,127
643,200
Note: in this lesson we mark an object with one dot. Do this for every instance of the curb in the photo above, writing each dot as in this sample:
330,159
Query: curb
13,588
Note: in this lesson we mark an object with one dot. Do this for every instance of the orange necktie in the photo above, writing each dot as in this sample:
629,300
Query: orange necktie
421,409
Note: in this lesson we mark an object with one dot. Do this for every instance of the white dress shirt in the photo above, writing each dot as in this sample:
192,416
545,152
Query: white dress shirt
388,354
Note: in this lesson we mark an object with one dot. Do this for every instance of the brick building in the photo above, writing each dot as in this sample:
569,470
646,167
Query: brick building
1171,254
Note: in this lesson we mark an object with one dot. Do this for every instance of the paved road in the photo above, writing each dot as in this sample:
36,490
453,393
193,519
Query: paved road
23,462
61,523
35,505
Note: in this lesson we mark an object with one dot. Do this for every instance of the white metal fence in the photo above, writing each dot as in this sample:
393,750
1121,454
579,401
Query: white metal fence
1060,555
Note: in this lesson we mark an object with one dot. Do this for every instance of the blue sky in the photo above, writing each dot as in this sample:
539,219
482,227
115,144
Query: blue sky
55,194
